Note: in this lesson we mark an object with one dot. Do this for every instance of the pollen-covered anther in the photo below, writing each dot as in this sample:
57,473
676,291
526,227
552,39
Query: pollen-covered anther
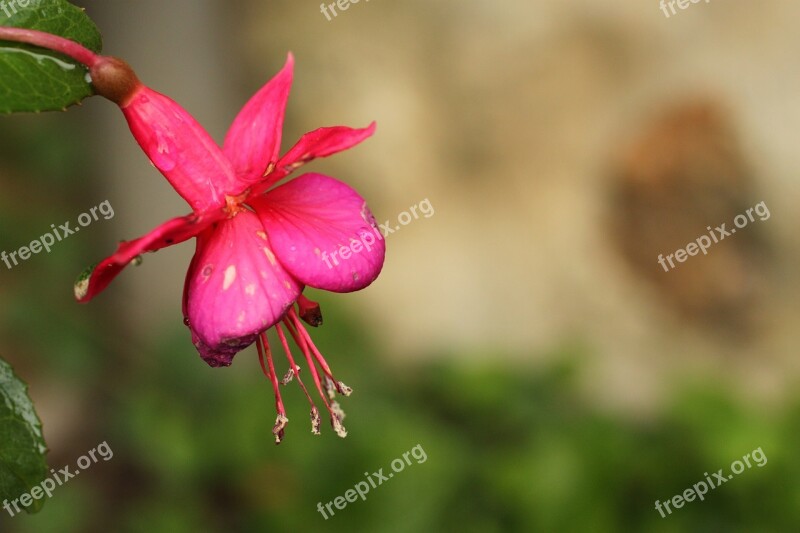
337,410
330,388
338,427
316,421
288,377
344,389
278,429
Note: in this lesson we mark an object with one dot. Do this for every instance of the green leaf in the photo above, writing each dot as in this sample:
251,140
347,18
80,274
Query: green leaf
22,447
35,79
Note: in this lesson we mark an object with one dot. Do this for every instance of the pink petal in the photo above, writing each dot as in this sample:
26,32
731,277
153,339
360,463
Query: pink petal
322,142
236,288
171,232
180,148
323,233
254,139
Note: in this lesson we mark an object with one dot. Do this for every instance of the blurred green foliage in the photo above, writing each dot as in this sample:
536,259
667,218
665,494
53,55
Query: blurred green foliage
507,450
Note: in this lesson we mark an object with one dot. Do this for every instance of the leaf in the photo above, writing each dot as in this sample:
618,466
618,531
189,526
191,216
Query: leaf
22,447
35,79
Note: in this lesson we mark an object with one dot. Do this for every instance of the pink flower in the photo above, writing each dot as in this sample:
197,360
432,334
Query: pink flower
258,243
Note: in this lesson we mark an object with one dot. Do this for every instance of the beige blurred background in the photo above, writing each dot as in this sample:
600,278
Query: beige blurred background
510,118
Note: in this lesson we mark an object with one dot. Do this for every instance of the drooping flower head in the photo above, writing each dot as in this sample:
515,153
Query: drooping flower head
260,242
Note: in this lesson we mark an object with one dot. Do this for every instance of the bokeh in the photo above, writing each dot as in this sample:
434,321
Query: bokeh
525,335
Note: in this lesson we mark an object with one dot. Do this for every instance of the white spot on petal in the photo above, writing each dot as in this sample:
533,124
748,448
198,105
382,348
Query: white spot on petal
230,277
250,290
270,256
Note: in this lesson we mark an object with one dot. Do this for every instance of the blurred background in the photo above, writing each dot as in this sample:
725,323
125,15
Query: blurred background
524,336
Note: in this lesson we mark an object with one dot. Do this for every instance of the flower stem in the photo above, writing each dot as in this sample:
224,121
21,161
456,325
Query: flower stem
51,42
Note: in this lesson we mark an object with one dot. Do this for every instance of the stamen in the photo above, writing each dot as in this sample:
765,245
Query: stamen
303,348
279,427
338,427
341,388
280,422
295,370
233,204
336,422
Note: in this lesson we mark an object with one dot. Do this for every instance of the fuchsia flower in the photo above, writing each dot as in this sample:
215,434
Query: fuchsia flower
259,244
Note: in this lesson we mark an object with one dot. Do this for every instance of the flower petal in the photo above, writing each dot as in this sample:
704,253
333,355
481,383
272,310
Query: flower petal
323,233
322,142
236,288
254,139
174,231
180,148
